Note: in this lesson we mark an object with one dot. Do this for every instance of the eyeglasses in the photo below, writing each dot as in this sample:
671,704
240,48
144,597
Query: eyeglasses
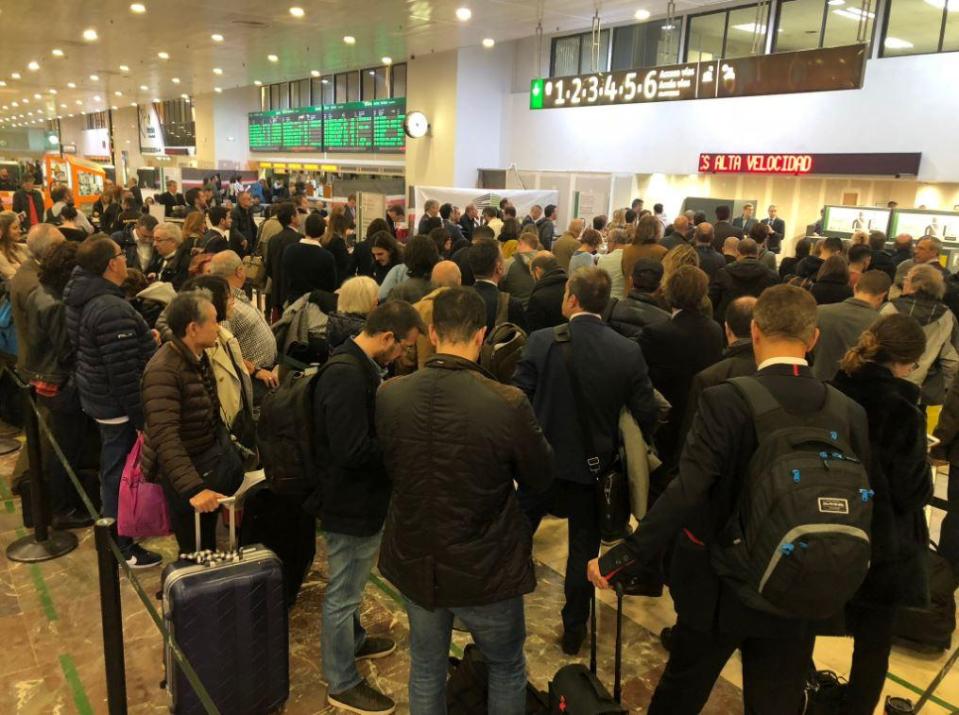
120,254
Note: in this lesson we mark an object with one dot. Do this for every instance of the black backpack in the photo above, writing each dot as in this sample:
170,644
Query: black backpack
797,544
286,431
504,345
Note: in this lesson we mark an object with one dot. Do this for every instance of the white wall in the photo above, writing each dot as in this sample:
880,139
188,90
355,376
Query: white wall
904,106
431,88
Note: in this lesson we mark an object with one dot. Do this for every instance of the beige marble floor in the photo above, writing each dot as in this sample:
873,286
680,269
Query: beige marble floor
51,654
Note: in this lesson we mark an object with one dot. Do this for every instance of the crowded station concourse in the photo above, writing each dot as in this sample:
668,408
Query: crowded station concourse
455,363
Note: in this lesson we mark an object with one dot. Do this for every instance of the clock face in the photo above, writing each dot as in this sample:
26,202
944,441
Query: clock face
416,125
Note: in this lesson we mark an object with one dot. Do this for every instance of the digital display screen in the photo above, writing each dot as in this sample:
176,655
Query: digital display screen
361,127
795,164
833,68
941,224
843,220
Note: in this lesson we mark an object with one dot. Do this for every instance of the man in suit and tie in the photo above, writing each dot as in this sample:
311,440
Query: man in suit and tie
747,220
486,262
350,209
777,230
170,198
611,374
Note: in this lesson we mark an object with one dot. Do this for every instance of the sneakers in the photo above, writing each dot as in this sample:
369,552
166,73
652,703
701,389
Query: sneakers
573,640
140,558
362,699
72,519
374,648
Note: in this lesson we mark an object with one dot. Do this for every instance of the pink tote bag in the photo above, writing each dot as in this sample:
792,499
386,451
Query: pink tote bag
142,511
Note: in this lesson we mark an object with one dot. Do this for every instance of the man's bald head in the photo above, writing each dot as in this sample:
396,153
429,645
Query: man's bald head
41,239
446,274
228,264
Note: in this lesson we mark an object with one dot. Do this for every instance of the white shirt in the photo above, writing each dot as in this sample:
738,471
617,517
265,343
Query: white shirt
580,315
782,361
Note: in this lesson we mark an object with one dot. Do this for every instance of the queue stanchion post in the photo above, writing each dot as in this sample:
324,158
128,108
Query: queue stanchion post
45,543
111,617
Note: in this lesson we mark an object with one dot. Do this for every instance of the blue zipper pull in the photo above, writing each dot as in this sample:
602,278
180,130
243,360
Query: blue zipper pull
796,476
866,494
787,549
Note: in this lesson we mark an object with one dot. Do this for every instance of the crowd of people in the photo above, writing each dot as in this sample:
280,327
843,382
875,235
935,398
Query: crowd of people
432,454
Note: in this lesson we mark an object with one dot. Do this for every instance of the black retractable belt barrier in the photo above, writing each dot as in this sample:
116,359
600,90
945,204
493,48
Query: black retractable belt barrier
44,543
111,617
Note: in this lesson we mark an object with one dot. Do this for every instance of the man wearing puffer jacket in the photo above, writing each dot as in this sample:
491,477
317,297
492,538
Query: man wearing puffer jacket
113,345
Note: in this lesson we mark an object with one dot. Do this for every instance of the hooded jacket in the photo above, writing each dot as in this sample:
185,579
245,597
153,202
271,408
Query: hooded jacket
545,307
745,277
113,345
635,312
940,360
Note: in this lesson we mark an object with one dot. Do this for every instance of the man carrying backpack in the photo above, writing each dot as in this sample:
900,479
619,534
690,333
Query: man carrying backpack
355,494
773,530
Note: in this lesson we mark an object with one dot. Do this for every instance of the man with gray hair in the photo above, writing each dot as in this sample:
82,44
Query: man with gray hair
926,252
171,261
40,241
431,209
252,332
922,293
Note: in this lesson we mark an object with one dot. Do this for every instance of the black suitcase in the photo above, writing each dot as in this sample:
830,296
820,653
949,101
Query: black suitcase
227,612
575,689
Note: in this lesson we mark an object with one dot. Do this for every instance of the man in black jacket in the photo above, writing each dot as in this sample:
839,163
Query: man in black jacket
723,229
170,198
453,228
137,244
113,345
455,542
881,259
171,261
710,260
243,231
611,374
747,276
712,619
29,202
218,237
289,219
641,307
486,262
355,494
777,230
809,267
545,306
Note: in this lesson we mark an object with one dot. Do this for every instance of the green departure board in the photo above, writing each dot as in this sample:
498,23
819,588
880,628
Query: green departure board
359,127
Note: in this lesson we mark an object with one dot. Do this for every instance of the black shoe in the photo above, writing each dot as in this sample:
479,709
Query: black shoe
363,700
573,640
374,648
72,519
139,558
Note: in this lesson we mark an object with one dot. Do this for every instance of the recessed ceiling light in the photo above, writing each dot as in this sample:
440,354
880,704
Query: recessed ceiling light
78,103
133,104
38,96
463,14
644,14
90,35
2,83
387,60
138,7
273,58
175,80
97,98
114,108
118,93
56,52
25,100
218,90
156,99
297,11
324,81
72,85
70,115
63,105
184,96
124,68
836,3
217,70
51,91
349,39
216,37
94,78
258,83
488,42
143,88
15,75
163,55
372,73
33,66
314,73
29,114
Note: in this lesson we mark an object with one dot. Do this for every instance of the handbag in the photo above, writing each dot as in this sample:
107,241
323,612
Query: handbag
612,486
142,509
255,269
221,466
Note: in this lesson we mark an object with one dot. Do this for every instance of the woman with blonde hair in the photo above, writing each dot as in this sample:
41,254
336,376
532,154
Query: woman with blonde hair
194,229
873,374
357,298
618,220
645,245
681,255
13,248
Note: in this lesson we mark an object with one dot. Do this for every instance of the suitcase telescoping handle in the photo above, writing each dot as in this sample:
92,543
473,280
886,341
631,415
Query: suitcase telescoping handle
618,666
230,504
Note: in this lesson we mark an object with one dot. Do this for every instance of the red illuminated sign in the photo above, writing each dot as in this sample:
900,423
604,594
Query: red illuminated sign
756,163
799,164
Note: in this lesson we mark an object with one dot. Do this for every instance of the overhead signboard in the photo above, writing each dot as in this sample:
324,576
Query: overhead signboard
943,225
359,127
797,164
834,68
843,220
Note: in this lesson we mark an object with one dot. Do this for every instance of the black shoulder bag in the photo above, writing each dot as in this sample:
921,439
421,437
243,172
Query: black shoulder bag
612,486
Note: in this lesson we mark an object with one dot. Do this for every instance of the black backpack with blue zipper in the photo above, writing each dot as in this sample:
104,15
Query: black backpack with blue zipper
797,544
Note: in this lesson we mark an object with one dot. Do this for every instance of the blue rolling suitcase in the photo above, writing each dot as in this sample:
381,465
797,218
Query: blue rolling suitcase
227,612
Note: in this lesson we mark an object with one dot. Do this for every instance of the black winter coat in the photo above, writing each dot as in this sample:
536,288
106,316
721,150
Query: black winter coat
545,307
634,313
830,290
738,361
882,261
354,485
899,474
454,440
113,345
745,277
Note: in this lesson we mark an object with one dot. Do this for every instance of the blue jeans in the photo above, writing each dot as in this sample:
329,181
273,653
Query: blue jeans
499,631
116,441
350,560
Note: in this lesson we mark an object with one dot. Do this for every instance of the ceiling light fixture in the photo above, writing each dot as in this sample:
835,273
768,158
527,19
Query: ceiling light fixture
38,96
51,91
56,52
133,104
463,14
836,3
143,88
297,11
641,14
15,75
156,100
33,66
324,81
314,73
273,58
488,42
94,78
387,60
216,37
372,73
118,93
138,7
78,103
114,108
895,43
258,83
163,55
63,105
217,70
124,68
90,35
185,96
175,80
218,90
97,98
349,39
72,85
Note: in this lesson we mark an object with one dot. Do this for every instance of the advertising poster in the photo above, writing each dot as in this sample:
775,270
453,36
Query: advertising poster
942,225
846,219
